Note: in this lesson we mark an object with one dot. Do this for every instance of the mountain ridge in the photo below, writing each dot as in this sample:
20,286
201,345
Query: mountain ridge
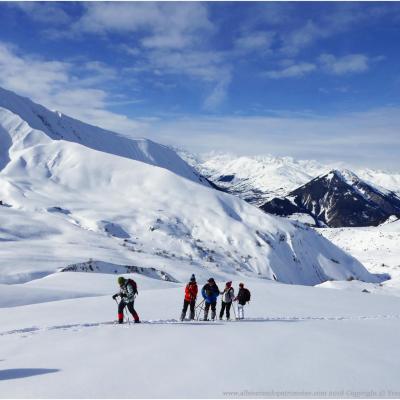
338,199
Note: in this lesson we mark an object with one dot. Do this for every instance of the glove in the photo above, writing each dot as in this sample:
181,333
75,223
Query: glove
115,296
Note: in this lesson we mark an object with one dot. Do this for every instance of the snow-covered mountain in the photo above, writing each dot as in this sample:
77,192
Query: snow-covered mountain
73,192
24,122
338,199
254,179
258,179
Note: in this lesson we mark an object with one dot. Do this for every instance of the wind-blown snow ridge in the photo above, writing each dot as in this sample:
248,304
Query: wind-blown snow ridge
21,119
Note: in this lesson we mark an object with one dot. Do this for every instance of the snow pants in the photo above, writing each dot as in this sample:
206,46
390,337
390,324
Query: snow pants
186,304
207,306
121,307
240,311
227,307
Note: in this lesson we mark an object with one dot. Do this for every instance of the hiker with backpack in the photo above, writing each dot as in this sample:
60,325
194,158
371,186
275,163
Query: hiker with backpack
243,297
210,293
228,294
190,298
127,293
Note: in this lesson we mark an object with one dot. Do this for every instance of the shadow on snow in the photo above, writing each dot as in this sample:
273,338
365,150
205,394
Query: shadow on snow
18,373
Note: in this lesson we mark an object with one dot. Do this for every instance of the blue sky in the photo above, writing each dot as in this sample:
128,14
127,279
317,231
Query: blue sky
311,80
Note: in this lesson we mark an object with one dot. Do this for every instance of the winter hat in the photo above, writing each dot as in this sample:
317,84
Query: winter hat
241,284
211,280
192,278
121,280
229,284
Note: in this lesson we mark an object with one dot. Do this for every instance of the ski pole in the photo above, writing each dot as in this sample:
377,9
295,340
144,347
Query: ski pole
234,311
200,304
127,315
200,309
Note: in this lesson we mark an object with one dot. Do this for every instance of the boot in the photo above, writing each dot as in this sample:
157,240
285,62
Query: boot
205,316
183,316
213,315
192,316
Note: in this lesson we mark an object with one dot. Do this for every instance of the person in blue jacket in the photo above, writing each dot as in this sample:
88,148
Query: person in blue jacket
210,292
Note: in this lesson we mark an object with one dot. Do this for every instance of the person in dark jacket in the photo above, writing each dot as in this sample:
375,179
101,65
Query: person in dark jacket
128,290
190,298
228,294
210,293
242,298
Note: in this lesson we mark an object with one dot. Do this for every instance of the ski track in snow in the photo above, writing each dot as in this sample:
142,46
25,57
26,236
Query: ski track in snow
35,329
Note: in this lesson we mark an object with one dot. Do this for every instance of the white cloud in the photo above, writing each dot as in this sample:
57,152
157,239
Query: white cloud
292,71
167,39
160,25
218,94
55,85
328,63
43,12
297,39
254,41
342,65
367,138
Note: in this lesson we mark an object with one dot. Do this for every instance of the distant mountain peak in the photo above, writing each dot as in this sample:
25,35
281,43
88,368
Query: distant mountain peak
337,199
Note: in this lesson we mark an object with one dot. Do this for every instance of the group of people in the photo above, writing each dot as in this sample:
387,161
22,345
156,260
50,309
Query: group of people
209,292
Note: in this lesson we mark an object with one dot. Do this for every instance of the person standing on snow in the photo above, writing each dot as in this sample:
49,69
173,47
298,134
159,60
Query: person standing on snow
228,294
210,293
190,298
128,290
242,298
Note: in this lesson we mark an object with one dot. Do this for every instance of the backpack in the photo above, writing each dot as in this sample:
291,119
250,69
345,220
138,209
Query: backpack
246,294
134,285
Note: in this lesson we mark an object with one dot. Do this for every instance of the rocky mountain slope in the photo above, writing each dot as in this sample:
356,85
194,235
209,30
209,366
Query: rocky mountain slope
338,199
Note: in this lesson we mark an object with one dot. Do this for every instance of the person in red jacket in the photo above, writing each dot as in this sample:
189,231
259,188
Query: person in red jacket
190,298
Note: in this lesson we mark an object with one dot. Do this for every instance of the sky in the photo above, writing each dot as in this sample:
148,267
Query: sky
311,80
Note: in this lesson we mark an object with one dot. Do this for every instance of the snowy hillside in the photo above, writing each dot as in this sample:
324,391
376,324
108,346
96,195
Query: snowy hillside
69,202
24,123
378,248
258,179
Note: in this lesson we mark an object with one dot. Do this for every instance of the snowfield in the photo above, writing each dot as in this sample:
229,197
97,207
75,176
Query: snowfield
378,248
295,338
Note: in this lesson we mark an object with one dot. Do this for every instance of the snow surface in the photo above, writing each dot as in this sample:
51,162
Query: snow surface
72,202
295,338
378,248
